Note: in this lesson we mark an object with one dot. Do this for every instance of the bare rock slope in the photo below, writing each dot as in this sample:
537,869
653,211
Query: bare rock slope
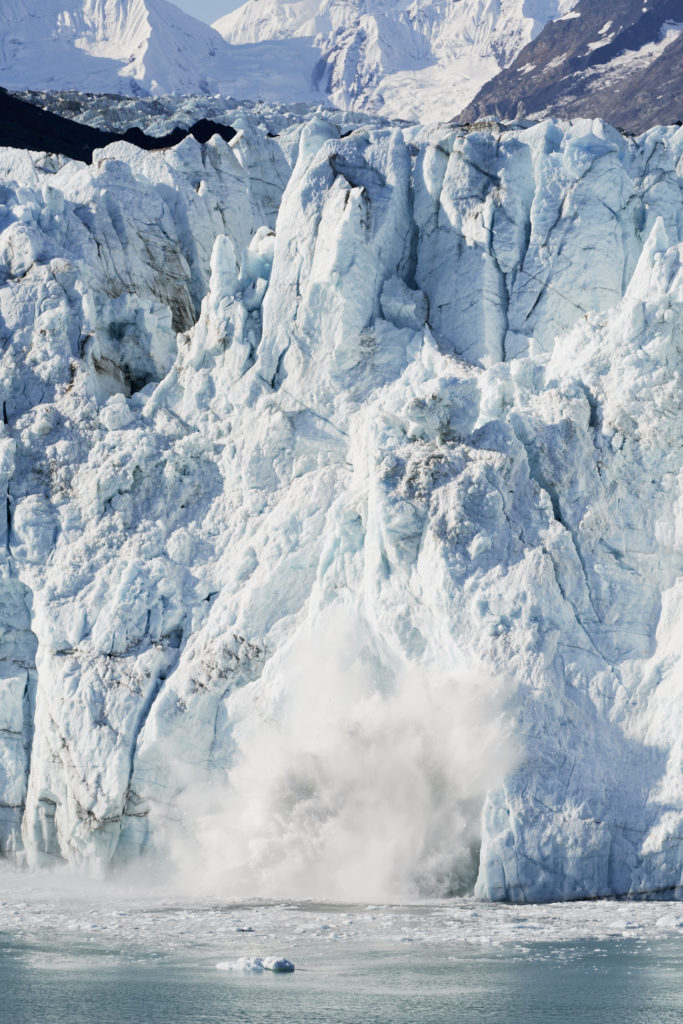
621,61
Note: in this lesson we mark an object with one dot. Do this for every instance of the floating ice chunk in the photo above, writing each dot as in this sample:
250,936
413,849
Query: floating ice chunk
276,964
244,963
669,922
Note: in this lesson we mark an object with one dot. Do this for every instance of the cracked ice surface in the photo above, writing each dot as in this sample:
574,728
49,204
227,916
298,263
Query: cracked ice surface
343,501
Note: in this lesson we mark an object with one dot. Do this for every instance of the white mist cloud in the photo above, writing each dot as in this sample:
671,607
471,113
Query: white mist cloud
348,788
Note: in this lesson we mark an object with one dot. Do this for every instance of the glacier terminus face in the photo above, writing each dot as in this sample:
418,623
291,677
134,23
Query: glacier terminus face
341,548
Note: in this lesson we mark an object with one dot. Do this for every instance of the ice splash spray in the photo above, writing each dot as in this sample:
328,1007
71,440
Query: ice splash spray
351,781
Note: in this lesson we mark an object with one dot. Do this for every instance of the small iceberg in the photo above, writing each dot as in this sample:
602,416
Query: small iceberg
276,964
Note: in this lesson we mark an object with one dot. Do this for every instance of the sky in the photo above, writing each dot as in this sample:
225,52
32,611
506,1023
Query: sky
208,10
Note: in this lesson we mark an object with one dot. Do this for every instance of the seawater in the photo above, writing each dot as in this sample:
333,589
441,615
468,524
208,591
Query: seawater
96,984
100,958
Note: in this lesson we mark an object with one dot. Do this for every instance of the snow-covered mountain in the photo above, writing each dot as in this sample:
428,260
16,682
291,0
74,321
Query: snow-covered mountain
420,60
139,47
341,549
621,60
412,59
415,60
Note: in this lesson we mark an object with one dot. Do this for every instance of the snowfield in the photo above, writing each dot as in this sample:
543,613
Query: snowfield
342,544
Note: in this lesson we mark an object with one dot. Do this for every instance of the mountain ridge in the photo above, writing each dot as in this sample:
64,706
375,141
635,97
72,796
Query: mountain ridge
408,59
622,62
137,47
421,60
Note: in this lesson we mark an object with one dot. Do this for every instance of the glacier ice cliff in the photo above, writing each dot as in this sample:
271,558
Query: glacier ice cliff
341,549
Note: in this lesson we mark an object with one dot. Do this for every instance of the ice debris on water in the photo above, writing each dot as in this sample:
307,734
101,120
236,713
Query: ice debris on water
276,964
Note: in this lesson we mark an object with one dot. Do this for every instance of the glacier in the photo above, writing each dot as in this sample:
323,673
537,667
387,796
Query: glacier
342,545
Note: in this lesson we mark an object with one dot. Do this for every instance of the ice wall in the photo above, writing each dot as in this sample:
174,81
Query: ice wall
343,550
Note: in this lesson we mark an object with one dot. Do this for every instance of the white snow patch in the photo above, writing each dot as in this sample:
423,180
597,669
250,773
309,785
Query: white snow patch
631,60
598,43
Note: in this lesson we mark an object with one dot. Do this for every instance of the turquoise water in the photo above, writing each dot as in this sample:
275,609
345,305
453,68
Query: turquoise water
52,978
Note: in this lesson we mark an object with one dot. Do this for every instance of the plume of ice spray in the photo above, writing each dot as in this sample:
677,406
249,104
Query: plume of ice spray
347,788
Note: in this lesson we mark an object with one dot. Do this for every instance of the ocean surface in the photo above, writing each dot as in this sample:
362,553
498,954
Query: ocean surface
80,955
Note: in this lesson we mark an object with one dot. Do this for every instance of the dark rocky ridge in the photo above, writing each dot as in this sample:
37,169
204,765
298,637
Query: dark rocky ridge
565,71
25,126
